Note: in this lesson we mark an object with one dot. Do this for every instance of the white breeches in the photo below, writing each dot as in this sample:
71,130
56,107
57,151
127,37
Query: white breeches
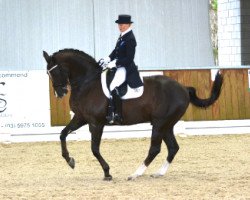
120,77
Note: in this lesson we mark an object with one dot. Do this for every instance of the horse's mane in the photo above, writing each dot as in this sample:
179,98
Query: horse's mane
84,55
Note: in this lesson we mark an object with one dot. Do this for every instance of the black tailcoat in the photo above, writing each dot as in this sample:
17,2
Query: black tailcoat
124,52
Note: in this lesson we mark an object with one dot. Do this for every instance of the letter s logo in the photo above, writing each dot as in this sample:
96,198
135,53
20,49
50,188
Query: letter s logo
3,102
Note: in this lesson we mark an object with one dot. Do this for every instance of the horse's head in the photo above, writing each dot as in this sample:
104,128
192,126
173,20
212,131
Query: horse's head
58,75
71,66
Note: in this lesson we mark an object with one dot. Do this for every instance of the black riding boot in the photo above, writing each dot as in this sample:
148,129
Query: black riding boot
114,109
118,107
111,111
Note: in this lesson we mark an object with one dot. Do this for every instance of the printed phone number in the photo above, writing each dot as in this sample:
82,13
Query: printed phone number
25,125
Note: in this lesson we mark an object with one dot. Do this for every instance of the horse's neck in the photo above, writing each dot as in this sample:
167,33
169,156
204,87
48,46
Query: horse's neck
85,73
81,70
81,76
86,85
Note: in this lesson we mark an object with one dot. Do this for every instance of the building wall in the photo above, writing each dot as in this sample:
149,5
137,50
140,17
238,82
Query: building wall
29,27
170,34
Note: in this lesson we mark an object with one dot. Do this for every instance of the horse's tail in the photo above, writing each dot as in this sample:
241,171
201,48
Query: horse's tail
215,93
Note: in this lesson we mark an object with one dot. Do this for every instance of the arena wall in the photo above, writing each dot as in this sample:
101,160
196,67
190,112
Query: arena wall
233,104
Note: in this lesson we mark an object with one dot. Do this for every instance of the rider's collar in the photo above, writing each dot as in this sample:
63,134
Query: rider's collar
123,33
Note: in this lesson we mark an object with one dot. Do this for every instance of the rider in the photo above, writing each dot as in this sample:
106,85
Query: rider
121,61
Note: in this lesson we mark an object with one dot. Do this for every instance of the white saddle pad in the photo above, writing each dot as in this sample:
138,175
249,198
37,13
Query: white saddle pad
131,92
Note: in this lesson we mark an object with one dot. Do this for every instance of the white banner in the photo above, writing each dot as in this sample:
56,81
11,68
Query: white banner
24,101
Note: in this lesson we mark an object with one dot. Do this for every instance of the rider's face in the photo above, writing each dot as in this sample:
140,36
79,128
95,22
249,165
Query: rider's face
123,27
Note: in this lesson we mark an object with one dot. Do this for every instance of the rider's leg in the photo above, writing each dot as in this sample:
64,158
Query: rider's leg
111,111
118,106
115,101
120,77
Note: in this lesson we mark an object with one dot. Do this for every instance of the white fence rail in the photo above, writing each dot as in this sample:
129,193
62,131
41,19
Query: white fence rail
135,131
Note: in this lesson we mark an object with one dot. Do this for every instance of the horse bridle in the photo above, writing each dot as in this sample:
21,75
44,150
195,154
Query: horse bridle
58,85
48,71
73,83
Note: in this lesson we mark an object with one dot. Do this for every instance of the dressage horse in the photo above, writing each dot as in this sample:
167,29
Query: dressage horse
163,102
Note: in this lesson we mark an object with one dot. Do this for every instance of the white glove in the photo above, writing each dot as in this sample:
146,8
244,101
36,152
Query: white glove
112,64
103,62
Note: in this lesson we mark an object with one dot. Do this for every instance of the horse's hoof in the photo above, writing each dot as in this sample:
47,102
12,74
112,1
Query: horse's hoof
72,163
157,175
107,178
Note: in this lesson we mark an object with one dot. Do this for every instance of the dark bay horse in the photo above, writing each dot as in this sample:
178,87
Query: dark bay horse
163,103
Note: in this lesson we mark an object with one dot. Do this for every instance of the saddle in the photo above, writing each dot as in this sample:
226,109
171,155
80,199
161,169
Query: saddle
124,91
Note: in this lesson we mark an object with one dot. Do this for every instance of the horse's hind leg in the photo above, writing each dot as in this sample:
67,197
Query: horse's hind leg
96,135
172,147
154,150
73,125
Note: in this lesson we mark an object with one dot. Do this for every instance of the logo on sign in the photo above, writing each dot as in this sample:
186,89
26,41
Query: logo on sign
3,102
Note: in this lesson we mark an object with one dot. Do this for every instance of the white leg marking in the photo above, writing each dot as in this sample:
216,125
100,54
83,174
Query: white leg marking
138,172
162,171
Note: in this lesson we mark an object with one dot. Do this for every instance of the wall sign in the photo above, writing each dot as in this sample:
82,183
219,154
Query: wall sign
24,101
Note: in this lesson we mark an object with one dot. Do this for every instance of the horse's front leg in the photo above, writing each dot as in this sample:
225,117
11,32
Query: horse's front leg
96,135
73,125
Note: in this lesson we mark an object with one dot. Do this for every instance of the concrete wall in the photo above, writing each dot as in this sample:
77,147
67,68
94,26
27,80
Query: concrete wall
245,32
234,32
229,33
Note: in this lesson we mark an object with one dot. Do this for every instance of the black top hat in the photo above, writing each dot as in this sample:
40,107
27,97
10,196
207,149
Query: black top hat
124,19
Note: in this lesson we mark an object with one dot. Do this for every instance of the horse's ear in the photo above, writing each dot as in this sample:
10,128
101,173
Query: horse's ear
46,56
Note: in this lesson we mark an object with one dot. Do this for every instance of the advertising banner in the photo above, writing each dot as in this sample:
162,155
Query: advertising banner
24,101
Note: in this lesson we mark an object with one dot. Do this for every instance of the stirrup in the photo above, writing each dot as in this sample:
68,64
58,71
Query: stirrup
114,119
110,119
117,118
